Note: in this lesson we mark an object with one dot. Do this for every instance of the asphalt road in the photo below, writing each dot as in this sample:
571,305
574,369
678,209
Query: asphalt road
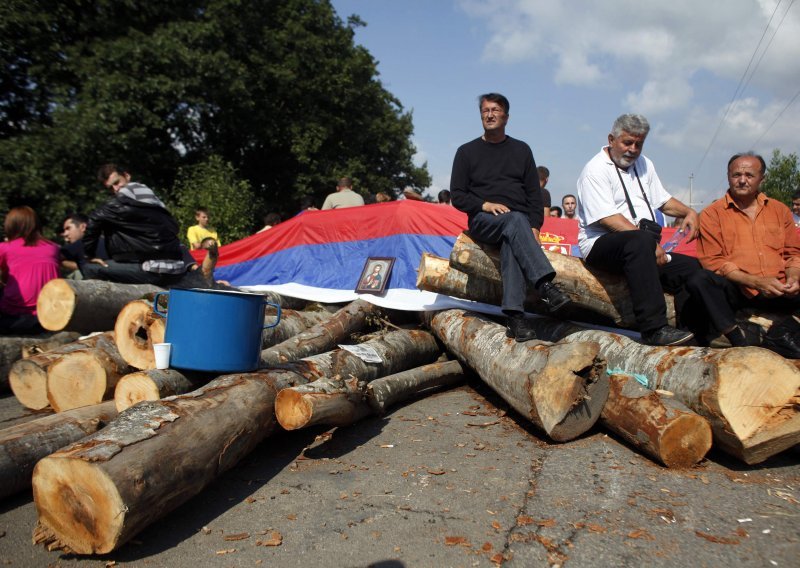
456,479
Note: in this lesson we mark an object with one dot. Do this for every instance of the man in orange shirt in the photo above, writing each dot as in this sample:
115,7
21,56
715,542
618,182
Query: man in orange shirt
750,241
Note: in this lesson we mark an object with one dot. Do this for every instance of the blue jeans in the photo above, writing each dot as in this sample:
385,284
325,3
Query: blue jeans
521,257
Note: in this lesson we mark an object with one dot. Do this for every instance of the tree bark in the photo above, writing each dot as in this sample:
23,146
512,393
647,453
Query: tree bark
85,376
98,493
85,306
659,425
23,445
16,347
560,387
388,391
336,396
28,377
750,396
590,290
137,328
155,384
292,322
322,337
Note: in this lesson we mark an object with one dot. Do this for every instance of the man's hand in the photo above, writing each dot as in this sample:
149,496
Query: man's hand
690,225
661,256
495,208
792,286
99,261
768,286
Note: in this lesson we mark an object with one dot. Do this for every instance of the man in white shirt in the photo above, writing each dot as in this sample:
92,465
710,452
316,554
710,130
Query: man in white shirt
616,190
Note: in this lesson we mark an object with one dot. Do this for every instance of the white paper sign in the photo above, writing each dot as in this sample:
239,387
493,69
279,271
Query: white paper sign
364,352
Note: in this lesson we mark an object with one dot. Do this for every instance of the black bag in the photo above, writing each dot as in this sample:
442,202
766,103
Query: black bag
650,227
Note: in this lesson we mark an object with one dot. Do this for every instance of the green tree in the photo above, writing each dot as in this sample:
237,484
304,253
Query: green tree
213,184
276,88
783,177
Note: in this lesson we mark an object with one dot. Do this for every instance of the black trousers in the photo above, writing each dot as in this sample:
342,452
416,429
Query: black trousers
126,273
521,257
632,253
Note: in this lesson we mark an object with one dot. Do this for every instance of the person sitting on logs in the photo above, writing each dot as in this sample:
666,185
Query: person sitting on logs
141,236
27,262
751,244
495,182
72,253
618,194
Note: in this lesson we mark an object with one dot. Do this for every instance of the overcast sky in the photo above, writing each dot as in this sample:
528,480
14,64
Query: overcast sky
569,68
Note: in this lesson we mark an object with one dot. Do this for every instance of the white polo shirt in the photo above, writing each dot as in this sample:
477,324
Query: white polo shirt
600,195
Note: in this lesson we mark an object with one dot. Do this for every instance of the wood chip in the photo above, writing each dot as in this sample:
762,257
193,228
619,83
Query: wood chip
485,424
641,533
226,551
275,539
236,536
496,525
717,539
523,520
456,540
437,471
487,547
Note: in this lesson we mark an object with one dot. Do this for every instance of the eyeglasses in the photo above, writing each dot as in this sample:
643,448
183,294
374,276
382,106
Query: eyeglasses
488,111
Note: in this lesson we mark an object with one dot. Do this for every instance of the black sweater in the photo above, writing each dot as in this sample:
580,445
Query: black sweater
499,173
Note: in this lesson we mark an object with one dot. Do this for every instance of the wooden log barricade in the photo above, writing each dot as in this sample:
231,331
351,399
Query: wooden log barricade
561,388
292,322
136,329
655,423
85,306
749,395
96,494
23,445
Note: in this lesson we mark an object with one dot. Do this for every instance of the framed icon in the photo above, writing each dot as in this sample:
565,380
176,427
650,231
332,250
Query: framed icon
375,275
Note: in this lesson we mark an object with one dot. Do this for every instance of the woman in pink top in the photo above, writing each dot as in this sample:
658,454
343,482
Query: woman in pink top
27,262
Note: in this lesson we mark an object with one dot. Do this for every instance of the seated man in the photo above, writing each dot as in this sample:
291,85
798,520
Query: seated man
72,253
750,241
141,236
344,196
617,189
494,181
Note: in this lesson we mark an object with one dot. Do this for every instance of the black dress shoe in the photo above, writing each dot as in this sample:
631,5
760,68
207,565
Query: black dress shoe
666,336
552,297
785,344
519,328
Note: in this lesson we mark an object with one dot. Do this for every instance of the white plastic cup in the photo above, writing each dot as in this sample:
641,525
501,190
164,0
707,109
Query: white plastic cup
162,351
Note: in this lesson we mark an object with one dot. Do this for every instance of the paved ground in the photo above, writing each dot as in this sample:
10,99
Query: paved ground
456,479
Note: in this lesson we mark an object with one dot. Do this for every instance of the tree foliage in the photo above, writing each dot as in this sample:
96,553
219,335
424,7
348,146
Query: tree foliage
783,177
213,184
276,88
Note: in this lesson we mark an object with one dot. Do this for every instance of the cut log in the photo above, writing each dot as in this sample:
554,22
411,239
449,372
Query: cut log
23,445
292,322
155,384
98,493
436,275
750,396
85,306
137,328
322,337
336,397
560,387
590,290
659,425
384,393
16,347
28,377
85,376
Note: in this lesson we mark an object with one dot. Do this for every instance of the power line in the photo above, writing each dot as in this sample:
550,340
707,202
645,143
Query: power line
794,98
738,90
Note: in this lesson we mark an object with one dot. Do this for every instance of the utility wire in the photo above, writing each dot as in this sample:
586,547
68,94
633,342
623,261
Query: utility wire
739,89
794,98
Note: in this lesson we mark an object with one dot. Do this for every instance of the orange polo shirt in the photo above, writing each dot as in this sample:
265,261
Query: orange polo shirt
764,246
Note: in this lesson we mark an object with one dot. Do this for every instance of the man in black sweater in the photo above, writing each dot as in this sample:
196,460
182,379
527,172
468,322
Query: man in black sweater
495,182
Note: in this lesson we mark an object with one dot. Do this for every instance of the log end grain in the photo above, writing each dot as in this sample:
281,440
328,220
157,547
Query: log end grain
292,409
135,331
76,380
56,304
134,388
28,382
685,441
77,501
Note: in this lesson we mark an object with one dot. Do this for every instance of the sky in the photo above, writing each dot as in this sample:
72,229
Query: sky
713,79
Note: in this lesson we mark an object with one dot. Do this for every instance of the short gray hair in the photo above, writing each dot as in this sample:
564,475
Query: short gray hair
635,124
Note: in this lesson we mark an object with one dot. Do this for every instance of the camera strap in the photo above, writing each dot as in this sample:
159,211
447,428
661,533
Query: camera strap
627,197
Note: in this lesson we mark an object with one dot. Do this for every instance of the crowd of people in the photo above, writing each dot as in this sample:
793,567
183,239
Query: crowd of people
748,249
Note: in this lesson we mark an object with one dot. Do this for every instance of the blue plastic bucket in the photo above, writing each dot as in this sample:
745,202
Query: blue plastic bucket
215,330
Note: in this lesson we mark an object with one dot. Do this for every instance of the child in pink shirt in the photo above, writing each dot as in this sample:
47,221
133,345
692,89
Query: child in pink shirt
27,263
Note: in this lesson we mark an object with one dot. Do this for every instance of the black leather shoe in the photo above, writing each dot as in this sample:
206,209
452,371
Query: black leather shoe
553,297
666,336
520,329
783,344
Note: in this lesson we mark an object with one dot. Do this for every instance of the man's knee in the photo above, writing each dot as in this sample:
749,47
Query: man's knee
637,242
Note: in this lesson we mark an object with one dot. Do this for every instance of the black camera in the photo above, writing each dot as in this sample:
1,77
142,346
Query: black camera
650,227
